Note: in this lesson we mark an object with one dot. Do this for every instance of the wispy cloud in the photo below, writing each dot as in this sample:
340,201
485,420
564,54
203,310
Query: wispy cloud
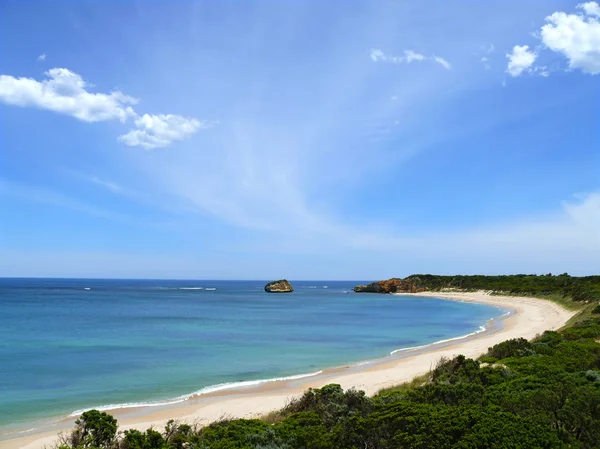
66,92
563,239
50,196
41,57
411,56
378,55
441,61
560,238
106,184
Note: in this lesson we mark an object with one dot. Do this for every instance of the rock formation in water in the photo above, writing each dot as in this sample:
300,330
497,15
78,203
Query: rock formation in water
394,285
281,286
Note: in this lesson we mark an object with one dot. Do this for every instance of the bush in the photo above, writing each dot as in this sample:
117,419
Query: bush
94,429
517,347
458,369
331,403
134,439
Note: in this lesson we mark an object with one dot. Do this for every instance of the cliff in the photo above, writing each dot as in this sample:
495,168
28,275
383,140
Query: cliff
281,286
394,285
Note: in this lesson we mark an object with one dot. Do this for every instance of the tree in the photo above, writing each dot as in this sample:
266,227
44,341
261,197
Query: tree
94,429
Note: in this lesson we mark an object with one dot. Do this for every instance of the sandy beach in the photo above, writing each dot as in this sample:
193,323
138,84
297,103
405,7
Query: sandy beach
528,318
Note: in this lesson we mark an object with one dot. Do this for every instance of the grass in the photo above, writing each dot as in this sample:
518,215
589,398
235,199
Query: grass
584,309
585,312
557,298
415,382
273,417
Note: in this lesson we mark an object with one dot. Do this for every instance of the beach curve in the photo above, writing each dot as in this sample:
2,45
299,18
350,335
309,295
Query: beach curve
529,317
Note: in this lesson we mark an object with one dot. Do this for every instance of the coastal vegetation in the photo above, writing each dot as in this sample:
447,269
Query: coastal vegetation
543,393
578,289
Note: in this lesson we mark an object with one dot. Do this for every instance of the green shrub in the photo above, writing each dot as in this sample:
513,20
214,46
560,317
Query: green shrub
94,429
517,347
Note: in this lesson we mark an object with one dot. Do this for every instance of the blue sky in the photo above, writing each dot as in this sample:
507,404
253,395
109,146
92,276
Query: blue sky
299,139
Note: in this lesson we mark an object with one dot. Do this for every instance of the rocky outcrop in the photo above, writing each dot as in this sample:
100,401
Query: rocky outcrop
281,286
394,285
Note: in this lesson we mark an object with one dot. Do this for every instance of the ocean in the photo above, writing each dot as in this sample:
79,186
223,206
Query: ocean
68,345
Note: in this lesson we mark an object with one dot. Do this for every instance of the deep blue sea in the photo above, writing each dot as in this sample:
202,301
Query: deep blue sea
72,344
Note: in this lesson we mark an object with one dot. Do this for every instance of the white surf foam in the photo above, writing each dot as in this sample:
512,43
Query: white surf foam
191,288
205,390
480,330
366,362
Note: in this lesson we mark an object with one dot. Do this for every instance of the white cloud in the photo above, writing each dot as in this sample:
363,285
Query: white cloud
156,131
411,56
442,62
486,62
590,8
576,37
378,55
519,60
65,92
41,57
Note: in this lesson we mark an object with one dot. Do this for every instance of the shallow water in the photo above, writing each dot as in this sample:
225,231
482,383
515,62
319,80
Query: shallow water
68,345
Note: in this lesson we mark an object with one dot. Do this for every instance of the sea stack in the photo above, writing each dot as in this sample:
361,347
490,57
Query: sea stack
281,286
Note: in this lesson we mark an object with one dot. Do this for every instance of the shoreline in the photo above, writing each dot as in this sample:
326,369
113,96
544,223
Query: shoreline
528,317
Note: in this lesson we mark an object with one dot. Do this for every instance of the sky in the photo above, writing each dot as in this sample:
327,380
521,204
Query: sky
299,139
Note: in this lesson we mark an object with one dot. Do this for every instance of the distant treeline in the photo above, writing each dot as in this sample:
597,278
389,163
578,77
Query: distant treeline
585,288
540,394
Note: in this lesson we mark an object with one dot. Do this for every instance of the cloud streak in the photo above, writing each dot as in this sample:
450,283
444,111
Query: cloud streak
410,56
564,239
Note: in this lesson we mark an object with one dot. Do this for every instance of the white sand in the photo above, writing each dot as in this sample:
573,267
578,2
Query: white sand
531,317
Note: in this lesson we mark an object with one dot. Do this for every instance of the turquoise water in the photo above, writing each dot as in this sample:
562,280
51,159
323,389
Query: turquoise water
67,344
